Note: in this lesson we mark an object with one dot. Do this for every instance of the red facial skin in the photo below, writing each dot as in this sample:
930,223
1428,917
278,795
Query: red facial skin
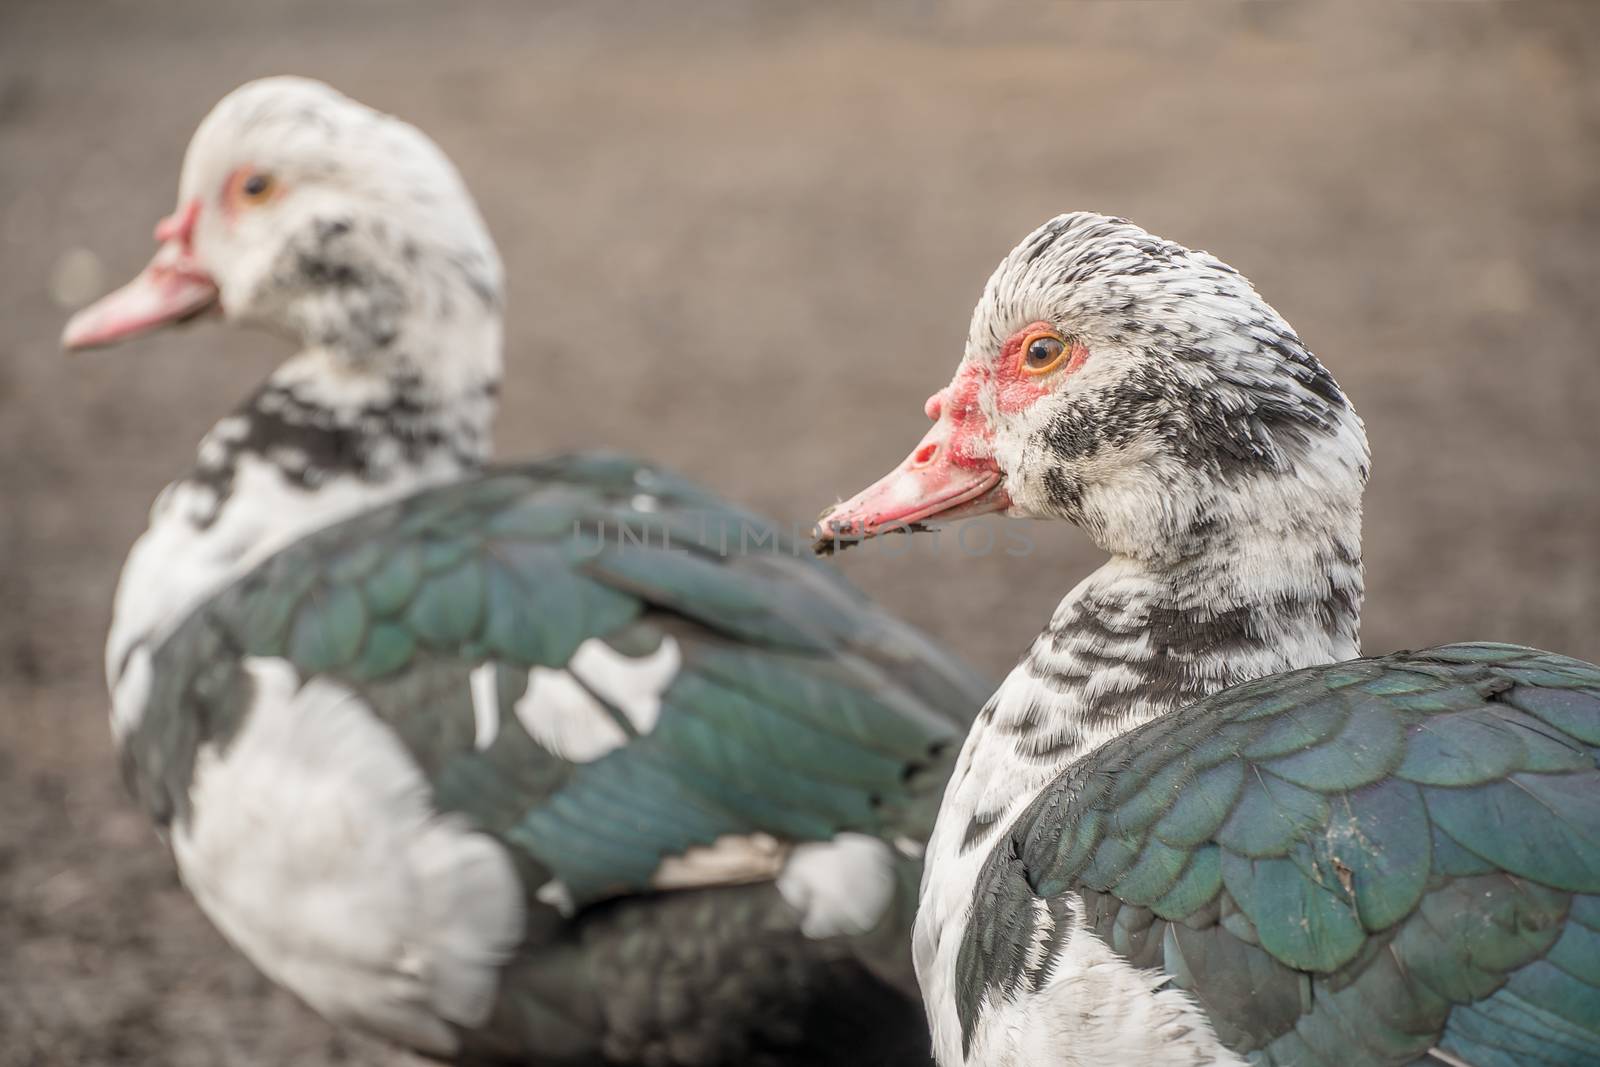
1016,391
952,473
966,441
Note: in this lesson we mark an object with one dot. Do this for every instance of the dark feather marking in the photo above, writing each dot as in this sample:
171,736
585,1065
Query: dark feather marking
1065,492
1163,676
978,828
623,723
308,443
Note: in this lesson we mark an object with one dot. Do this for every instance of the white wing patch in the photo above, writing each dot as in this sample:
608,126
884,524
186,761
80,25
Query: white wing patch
556,894
560,710
560,714
312,843
839,887
732,859
485,706
634,685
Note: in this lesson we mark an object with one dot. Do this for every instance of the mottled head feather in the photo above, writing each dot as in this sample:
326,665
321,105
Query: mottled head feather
373,234
1194,392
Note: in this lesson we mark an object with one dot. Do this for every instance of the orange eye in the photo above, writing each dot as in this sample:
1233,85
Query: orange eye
1042,353
252,187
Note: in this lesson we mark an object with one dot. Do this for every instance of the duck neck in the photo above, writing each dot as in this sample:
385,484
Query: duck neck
1139,638
324,437
317,427
1136,640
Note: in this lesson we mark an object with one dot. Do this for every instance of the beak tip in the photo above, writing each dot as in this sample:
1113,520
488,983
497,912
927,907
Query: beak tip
158,296
77,334
831,535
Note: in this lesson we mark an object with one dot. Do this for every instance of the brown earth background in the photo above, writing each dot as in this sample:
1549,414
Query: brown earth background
744,239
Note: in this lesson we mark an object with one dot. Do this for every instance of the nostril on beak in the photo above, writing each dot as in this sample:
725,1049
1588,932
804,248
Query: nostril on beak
924,455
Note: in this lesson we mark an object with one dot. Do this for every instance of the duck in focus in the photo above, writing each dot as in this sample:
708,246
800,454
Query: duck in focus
1191,826
478,758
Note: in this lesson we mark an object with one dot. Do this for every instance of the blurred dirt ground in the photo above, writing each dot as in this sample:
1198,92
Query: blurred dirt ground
744,239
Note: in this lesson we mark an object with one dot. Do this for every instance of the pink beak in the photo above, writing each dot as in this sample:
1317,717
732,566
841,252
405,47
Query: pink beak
951,474
172,288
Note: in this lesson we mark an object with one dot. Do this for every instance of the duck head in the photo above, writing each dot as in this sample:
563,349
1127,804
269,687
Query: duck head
1129,385
306,212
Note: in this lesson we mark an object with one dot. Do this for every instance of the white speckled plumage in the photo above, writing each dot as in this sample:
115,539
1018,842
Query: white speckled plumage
1259,562
243,502
1096,1009
313,845
504,677
310,840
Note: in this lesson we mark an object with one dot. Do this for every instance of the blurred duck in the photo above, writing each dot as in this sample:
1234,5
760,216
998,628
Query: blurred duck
1190,827
506,763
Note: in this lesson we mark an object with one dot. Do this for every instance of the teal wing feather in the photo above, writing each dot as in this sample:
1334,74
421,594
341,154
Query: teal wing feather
797,710
1349,864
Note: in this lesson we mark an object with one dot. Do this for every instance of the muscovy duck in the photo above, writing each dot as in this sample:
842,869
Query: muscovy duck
566,762
1190,827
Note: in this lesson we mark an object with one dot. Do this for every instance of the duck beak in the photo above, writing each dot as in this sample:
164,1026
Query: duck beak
172,288
951,474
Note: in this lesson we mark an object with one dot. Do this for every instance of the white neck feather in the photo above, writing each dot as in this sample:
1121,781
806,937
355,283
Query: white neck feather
322,439
1260,592
1270,582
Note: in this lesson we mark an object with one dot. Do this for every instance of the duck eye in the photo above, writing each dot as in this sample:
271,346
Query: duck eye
257,187
1041,353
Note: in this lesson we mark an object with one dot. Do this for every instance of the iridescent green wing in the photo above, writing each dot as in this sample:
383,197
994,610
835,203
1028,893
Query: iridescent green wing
1350,863
790,706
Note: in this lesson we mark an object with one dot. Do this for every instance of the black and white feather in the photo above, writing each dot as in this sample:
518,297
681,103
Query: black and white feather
544,763
1171,836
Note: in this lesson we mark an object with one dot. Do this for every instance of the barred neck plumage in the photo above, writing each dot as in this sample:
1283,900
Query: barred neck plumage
1253,595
